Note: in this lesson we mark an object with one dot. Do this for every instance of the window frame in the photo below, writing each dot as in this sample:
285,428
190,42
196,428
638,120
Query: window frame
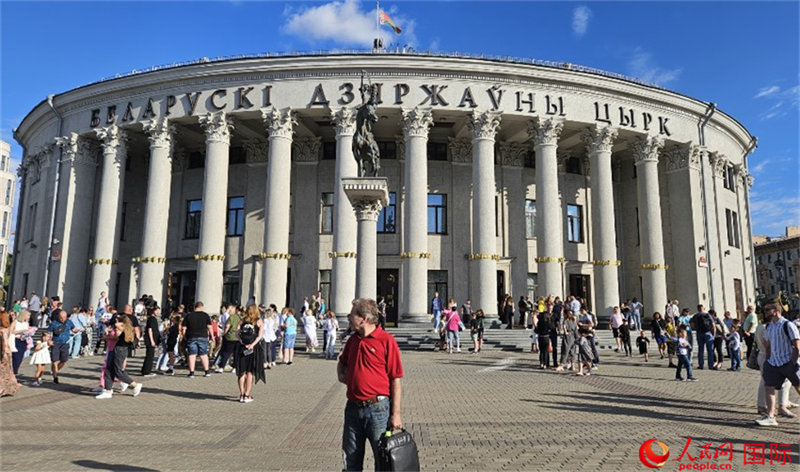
575,222
437,209
382,217
239,217
195,217
326,208
530,218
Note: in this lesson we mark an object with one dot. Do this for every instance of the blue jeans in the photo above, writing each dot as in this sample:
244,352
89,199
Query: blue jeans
637,321
736,359
163,359
75,345
437,319
683,361
705,342
453,339
330,344
362,423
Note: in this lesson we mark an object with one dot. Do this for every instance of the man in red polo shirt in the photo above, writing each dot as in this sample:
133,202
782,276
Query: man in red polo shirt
370,367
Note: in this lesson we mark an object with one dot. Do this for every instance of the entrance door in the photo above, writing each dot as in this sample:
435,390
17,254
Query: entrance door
580,287
501,289
737,290
186,286
387,288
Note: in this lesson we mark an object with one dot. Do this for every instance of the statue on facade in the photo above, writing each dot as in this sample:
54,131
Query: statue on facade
365,148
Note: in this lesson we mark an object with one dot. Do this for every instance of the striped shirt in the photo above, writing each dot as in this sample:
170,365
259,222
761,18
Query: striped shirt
780,346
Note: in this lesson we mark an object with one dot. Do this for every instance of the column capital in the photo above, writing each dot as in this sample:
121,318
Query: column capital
718,163
112,138
744,177
646,148
280,123
512,153
159,133
599,138
345,121
460,150
367,209
683,156
217,127
545,131
256,150
307,149
417,122
484,124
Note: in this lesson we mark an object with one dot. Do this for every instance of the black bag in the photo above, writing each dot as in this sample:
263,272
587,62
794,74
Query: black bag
708,323
60,329
752,359
398,451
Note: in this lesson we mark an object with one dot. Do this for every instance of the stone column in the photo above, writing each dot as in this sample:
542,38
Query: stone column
549,217
484,255
156,211
343,268
277,206
109,209
654,276
414,300
367,195
599,141
211,253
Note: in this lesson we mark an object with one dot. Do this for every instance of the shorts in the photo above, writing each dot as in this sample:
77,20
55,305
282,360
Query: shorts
661,339
59,352
477,336
197,346
288,341
615,331
774,376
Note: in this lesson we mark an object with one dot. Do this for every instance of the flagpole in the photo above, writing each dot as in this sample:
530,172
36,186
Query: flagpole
377,22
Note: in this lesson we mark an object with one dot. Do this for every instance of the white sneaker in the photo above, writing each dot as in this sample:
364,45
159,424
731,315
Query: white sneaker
137,389
105,395
122,387
218,370
458,350
766,421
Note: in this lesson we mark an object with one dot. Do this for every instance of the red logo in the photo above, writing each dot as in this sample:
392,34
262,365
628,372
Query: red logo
649,457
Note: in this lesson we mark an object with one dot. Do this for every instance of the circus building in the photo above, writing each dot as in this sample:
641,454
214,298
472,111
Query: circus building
221,180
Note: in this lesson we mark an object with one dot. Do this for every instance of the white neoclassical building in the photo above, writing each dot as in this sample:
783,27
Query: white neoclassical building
221,180
8,182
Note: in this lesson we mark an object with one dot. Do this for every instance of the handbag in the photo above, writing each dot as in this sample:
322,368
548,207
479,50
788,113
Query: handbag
752,359
397,451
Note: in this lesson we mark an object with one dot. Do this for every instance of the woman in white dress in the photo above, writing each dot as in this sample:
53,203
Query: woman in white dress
310,328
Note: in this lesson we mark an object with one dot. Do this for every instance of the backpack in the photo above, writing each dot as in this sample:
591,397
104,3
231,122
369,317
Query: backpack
708,323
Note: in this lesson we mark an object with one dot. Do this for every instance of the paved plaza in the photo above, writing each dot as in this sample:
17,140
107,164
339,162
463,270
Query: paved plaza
494,411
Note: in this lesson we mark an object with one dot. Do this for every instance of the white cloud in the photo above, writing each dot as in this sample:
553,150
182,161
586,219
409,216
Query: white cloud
780,100
767,91
345,24
758,168
771,215
580,20
642,66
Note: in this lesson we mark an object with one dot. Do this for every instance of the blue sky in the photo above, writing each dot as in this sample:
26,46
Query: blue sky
744,56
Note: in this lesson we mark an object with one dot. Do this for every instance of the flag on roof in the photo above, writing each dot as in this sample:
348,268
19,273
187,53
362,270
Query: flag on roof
385,20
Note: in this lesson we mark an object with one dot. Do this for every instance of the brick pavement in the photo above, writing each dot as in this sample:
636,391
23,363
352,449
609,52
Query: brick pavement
496,411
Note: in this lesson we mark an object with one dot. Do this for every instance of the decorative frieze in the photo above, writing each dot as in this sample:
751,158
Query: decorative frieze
483,256
560,260
484,125
307,149
279,123
218,127
646,148
512,154
158,260
655,266
347,255
273,255
545,131
415,255
256,151
460,150
417,122
209,257
607,263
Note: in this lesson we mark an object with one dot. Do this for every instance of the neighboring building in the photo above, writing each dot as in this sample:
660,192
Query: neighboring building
778,264
8,182
220,180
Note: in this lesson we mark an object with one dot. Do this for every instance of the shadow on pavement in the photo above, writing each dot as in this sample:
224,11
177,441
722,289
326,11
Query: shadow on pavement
104,466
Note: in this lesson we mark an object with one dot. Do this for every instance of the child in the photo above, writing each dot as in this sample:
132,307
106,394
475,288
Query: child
684,350
625,335
735,346
40,358
585,354
642,343
331,327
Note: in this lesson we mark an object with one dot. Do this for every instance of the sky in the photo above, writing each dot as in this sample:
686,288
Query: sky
743,56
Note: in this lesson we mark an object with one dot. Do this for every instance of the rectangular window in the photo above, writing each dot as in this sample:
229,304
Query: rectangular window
791,273
770,274
638,239
530,219
4,231
8,192
733,228
386,220
530,159
326,226
194,208
329,151
388,149
122,218
729,179
789,255
574,223
437,282
437,213
235,221
573,165
437,151
237,155
231,287
531,285
31,226
197,160
325,284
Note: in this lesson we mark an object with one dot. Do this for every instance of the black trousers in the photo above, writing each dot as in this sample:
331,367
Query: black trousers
149,356
114,368
228,348
554,343
544,355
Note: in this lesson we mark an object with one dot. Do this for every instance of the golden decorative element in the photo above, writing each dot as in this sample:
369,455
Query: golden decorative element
655,266
607,263
415,255
334,255
480,256
160,260
550,259
273,255
104,261
209,257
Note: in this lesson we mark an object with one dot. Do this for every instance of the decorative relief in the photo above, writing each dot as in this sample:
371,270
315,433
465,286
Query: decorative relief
367,209
88,152
209,257
512,154
68,145
599,139
560,260
348,255
218,127
561,160
482,256
484,125
545,132
103,261
159,260
646,148
280,123
345,121
607,263
307,149
273,255
415,255
460,150
256,151
113,139
655,266
159,133
681,156
417,122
